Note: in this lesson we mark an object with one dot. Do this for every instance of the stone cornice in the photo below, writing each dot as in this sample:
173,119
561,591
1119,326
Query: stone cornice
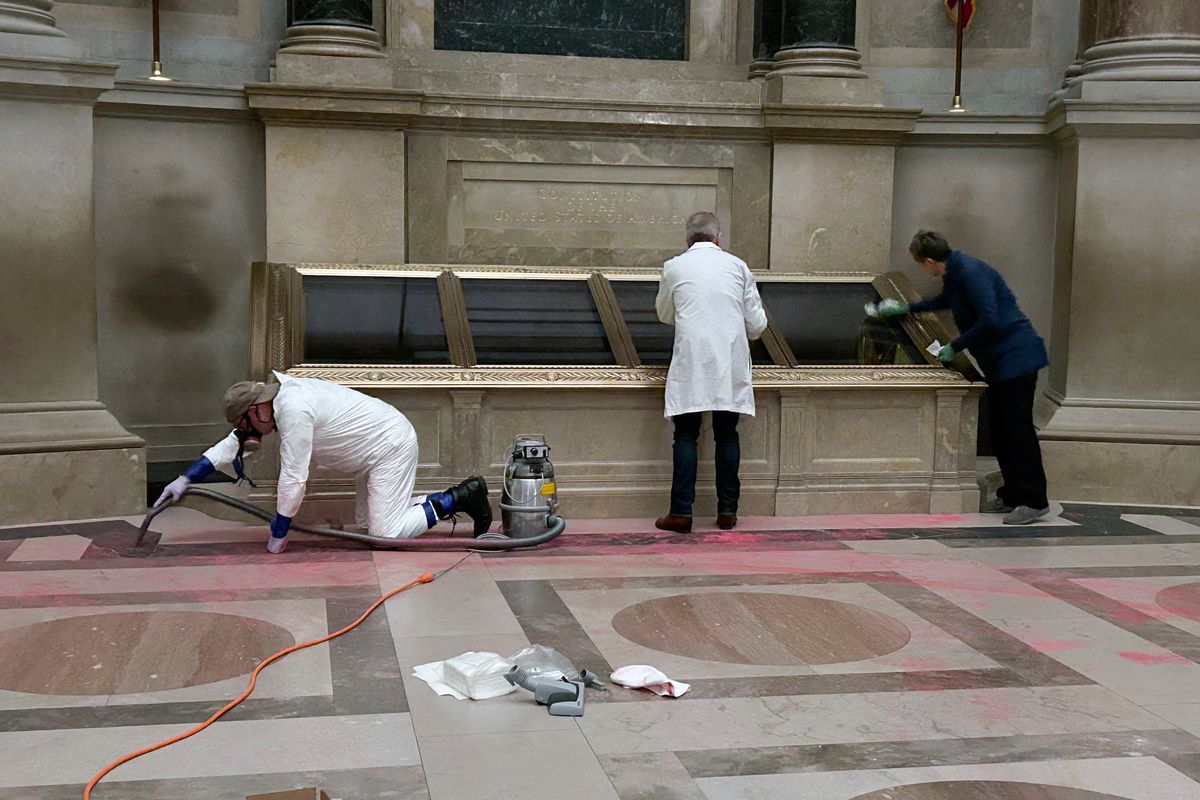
54,79
184,101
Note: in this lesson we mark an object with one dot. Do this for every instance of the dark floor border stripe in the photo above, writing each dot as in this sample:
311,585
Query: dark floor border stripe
1077,541
363,664
395,783
1164,634
191,596
217,558
807,685
1032,665
545,618
695,581
1151,571
184,713
934,753
85,529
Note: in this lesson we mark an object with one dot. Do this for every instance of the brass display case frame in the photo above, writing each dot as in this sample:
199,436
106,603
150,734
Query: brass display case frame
277,338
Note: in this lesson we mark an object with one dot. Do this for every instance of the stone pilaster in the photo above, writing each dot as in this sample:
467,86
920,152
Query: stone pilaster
62,454
332,28
817,40
1122,419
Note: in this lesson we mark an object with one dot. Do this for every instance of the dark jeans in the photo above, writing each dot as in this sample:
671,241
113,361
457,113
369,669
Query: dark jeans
1015,442
728,456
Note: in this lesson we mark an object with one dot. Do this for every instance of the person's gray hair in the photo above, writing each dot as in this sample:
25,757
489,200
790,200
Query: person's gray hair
702,227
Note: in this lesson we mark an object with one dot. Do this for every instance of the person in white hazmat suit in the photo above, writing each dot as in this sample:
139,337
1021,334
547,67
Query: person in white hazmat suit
711,298
346,431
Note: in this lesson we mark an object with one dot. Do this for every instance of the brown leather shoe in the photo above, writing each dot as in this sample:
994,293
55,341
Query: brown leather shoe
674,523
726,521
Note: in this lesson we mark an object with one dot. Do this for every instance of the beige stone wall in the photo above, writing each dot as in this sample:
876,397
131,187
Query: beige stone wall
180,214
995,202
1014,54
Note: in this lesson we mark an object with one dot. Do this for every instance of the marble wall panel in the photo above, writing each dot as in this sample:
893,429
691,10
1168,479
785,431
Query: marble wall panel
916,23
179,219
831,207
1134,281
1008,220
556,202
335,194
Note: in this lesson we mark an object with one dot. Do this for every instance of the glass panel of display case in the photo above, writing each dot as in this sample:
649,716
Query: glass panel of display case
531,322
653,340
824,323
351,319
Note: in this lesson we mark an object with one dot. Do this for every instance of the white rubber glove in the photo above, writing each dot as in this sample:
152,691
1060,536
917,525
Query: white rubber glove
174,490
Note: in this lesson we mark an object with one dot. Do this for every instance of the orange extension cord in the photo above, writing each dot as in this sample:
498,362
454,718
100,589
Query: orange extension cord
427,577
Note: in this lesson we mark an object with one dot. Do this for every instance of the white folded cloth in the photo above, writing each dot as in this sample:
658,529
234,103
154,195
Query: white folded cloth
474,675
643,676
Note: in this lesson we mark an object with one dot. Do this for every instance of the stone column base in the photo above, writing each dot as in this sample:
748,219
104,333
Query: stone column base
332,40
64,461
1169,59
821,62
761,67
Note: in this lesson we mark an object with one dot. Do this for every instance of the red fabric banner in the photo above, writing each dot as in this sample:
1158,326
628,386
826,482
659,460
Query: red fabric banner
968,11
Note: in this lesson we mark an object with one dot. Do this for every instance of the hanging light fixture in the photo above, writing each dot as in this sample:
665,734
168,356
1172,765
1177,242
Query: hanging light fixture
156,73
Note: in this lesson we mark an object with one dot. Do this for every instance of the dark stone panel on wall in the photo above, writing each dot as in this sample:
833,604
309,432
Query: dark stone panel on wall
598,28
920,24
768,27
818,22
351,12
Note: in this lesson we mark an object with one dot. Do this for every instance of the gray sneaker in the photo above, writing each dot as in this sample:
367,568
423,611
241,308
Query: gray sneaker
1023,515
996,506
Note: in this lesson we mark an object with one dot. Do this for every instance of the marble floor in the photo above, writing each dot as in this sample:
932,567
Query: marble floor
898,657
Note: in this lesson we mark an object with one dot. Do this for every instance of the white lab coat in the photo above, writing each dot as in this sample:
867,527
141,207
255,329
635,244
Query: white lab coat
346,431
712,300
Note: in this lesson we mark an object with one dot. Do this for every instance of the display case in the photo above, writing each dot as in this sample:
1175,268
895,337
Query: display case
853,413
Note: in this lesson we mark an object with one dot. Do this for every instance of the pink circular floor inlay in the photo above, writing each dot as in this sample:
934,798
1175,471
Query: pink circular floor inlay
984,790
1183,600
761,628
134,651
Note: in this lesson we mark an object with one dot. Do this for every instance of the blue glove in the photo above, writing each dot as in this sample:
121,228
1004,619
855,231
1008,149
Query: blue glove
892,308
946,354
280,526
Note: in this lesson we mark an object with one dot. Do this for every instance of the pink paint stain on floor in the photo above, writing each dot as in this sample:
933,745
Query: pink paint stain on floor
1153,658
1055,645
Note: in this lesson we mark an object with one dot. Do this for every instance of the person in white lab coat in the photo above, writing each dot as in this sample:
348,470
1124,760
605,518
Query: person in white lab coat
347,431
712,300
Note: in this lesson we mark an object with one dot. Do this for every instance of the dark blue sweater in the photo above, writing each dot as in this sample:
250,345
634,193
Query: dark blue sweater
992,325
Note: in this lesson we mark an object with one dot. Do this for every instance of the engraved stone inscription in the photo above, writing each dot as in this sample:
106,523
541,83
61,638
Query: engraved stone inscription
582,205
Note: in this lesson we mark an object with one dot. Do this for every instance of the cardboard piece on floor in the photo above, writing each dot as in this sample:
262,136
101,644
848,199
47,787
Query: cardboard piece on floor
311,793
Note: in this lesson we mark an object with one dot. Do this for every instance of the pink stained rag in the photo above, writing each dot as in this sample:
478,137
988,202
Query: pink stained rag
642,676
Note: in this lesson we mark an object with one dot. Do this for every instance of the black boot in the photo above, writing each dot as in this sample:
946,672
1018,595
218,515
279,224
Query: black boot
471,498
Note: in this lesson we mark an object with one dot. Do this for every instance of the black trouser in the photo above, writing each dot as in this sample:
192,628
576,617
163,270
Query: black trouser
1015,442
728,456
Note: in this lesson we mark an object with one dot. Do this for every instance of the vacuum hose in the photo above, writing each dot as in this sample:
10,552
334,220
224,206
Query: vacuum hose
557,525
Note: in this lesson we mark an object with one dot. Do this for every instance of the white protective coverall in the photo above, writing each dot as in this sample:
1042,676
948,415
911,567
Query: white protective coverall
712,300
351,433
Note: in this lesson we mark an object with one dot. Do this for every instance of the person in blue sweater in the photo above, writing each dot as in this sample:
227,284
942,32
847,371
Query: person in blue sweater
1009,353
